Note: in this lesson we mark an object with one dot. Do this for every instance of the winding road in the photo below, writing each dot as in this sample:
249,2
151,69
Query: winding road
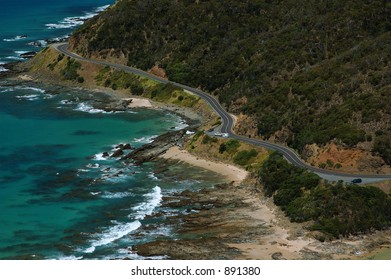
228,123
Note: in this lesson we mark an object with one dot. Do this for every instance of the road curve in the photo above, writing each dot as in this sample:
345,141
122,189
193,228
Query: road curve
227,123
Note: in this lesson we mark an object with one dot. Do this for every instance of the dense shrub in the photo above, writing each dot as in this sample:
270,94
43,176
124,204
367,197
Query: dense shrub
243,157
231,146
70,70
382,146
310,67
336,210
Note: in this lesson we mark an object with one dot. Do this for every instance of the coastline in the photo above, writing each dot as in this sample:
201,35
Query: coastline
254,228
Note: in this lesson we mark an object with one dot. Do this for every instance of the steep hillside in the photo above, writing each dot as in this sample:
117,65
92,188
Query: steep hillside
304,71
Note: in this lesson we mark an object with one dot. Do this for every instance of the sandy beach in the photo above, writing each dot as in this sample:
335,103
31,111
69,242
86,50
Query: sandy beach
234,174
139,103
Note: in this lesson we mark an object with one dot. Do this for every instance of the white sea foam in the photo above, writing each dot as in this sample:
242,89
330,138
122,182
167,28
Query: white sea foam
66,102
119,230
10,89
153,176
83,170
125,253
16,38
71,22
15,58
111,195
145,140
3,69
102,8
84,107
146,208
181,125
31,88
69,258
6,89
95,193
38,43
20,52
30,97
59,39
99,157
111,234
95,165
48,96
115,178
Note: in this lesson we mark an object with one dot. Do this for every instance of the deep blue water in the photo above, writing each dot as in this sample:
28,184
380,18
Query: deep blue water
39,20
59,197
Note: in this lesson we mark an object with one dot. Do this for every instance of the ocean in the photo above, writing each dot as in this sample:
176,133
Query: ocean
26,25
60,197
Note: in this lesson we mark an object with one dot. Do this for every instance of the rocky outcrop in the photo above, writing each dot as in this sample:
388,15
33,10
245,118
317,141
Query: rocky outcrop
246,126
28,55
213,219
160,145
120,150
115,106
157,71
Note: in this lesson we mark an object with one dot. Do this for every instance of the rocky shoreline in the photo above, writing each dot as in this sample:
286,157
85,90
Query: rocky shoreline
237,222
212,219
228,221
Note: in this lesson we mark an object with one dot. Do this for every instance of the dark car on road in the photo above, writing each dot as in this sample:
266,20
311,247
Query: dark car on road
356,181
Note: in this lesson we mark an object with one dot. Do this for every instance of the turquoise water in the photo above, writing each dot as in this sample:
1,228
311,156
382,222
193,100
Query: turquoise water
59,197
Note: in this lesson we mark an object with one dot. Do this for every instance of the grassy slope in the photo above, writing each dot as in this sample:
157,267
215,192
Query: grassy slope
50,66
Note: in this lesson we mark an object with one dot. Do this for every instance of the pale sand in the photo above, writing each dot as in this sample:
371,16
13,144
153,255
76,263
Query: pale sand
232,173
139,102
25,77
279,238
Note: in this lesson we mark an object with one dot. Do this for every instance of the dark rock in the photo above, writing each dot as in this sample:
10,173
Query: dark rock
124,147
28,55
277,256
159,146
121,105
127,147
105,154
117,153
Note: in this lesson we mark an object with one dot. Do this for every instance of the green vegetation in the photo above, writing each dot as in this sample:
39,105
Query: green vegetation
382,146
335,210
196,137
244,157
207,140
70,70
53,65
119,80
317,68
231,146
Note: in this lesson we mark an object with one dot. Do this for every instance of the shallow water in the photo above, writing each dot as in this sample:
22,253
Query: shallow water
59,196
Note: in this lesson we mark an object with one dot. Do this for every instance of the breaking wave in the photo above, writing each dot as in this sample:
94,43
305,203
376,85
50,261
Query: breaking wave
120,230
72,22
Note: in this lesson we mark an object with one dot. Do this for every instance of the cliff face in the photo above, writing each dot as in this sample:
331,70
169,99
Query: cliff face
315,71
